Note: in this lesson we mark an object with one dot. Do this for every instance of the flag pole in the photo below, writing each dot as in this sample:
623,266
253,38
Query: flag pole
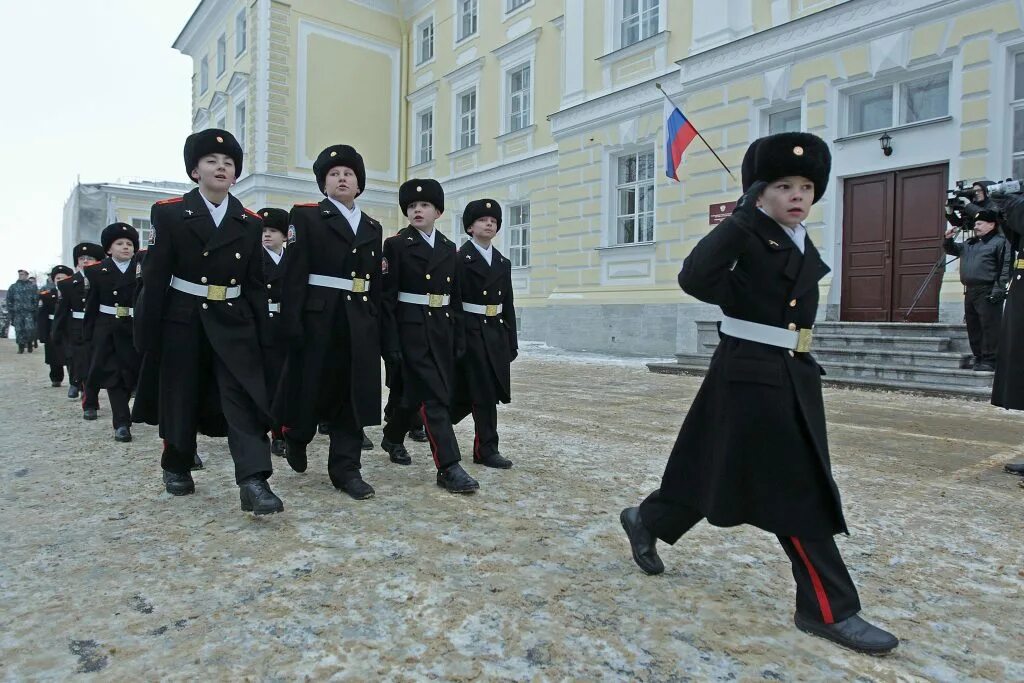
728,170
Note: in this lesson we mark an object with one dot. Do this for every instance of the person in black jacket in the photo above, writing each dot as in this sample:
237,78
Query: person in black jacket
68,328
49,297
985,273
275,229
109,308
963,215
202,311
483,377
753,448
331,303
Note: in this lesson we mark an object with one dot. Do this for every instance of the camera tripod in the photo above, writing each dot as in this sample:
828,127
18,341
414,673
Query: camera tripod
941,261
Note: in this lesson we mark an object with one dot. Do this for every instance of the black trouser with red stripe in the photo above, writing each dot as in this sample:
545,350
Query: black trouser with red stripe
90,397
438,423
824,589
485,422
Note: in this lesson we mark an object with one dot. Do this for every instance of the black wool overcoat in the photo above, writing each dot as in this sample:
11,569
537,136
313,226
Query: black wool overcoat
114,362
753,448
68,329
426,337
48,300
274,342
334,349
1008,384
491,342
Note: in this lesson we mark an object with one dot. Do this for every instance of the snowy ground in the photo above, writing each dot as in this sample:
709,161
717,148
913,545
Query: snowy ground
530,579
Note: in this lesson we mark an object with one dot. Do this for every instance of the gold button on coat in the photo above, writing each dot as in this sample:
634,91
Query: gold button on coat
792,303
791,353
205,305
428,276
233,280
203,279
792,326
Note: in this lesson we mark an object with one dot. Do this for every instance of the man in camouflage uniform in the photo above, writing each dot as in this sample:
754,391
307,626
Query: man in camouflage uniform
22,302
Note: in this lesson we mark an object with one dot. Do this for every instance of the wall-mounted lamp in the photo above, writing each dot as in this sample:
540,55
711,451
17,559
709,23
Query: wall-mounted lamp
886,142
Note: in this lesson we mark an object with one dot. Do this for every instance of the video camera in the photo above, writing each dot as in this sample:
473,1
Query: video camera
1006,187
954,196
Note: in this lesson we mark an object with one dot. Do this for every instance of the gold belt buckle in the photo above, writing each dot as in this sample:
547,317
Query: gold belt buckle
216,292
803,343
358,285
492,310
1019,264
435,300
123,312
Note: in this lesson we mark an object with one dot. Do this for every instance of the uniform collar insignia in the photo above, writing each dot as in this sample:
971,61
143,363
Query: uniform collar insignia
188,212
773,243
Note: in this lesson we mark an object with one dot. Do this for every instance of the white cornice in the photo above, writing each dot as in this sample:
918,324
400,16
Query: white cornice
303,188
200,114
495,174
218,101
239,81
823,32
427,92
411,8
609,107
389,7
466,72
523,44
207,18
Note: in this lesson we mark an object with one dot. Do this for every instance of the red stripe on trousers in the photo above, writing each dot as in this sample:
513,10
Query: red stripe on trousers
430,437
476,438
819,588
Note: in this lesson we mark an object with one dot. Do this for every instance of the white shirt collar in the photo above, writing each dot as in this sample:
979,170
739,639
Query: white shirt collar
277,257
429,239
217,213
353,216
121,265
798,234
487,253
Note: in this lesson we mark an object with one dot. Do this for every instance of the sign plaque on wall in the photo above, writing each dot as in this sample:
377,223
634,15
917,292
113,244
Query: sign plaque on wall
719,212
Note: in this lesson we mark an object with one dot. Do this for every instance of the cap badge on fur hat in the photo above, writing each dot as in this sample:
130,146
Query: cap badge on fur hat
220,139
419,188
798,150
334,153
266,214
488,205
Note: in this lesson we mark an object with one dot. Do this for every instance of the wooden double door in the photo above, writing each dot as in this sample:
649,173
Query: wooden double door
892,237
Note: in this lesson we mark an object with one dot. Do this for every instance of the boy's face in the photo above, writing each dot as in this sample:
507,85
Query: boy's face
60,277
85,262
484,228
983,228
122,249
422,215
215,172
273,239
788,200
341,184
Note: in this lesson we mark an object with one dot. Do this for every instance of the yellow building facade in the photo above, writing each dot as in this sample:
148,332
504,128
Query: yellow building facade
550,107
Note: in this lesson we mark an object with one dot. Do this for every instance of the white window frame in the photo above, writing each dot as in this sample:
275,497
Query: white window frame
613,25
144,227
204,74
466,77
421,158
523,248
779,108
620,20
513,55
510,10
895,83
460,115
241,121
459,15
527,95
222,54
241,32
1014,106
615,186
429,20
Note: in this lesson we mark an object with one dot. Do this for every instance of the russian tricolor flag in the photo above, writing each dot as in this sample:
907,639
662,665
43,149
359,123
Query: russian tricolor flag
679,133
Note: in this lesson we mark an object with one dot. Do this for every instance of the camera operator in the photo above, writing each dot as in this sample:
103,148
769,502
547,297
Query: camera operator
984,272
963,216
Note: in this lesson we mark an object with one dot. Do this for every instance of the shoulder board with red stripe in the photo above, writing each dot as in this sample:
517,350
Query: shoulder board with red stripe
252,213
309,205
172,200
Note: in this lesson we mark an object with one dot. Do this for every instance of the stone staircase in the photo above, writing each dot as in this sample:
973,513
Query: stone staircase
918,357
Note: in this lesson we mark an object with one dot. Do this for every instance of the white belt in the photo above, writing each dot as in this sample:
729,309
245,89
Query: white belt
357,285
490,310
78,315
795,340
119,311
431,300
274,308
211,292
50,316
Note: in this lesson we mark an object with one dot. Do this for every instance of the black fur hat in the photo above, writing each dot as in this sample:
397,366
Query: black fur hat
88,249
987,215
481,208
61,270
275,219
339,155
211,141
421,190
116,231
786,154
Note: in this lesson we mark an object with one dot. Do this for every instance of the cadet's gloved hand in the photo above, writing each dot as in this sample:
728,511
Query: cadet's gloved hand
746,206
997,296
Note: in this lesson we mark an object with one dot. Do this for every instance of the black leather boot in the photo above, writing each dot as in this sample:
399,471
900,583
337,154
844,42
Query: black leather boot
396,451
357,488
179,484
456,480
122,434
853,633
641,541
295,452
73,391
257,498
418,434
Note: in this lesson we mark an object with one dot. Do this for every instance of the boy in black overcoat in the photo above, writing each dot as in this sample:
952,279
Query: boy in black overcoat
202,310
49,297
753,447
109,309
422,334
275,229
331,304
488,322
68,328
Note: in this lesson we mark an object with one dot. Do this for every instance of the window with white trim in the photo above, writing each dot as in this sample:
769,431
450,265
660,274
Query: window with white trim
240,123
634,197
425,41
518,227
241,37
513,5
145,228
467,19
459,234
222,122
466,116
222,54
784,121
204,75
639,21
1017,106
425,136
908,101
518,97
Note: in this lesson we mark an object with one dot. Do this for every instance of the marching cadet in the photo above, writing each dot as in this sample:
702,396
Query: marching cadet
69,327
331,304
202,309
753,448
49,297
422,332
108,324
275,229
488,319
